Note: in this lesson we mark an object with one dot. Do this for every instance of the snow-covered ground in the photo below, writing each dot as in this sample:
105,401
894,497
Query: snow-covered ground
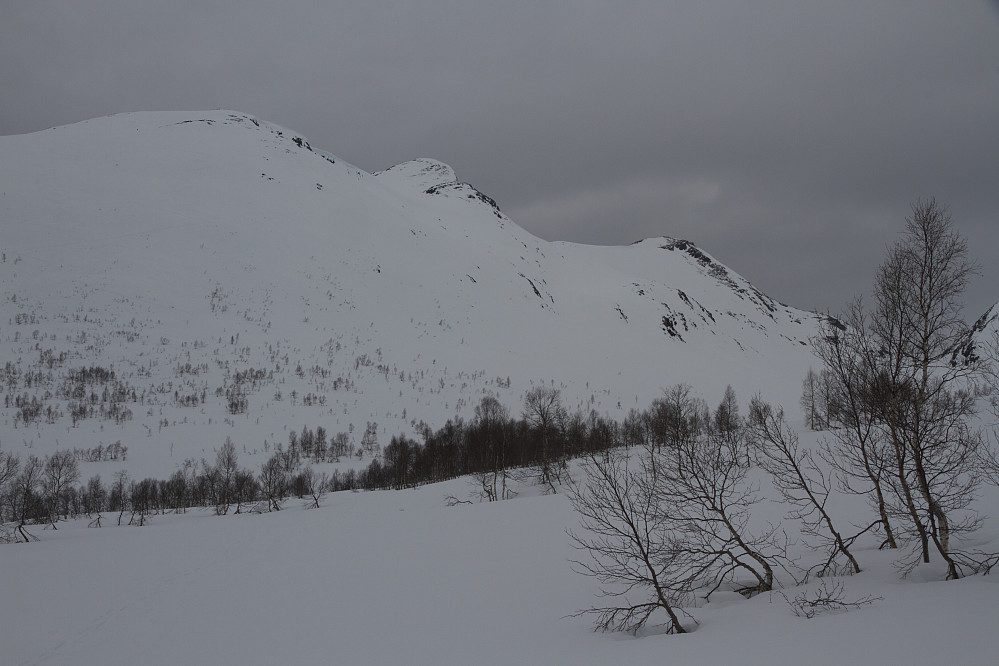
400,577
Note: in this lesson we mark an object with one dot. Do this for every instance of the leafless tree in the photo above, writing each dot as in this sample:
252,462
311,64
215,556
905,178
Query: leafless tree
629,545
244,488
369,441
908,399
95,500
703,477
671,419
181,484
224,476
801,481
818,400
10,465
726,420
272,480
809,400
141,497
340,446
543,410
491,418
61,472
917,322
857,447
25,498
705,485
316,486
119,493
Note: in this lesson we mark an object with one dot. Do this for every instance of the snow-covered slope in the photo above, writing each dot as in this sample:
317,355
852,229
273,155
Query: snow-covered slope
205,256
983,338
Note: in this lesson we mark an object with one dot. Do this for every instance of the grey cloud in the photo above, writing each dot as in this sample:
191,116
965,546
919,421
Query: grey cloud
786,138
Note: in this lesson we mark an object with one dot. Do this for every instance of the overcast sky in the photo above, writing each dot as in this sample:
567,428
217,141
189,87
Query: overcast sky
788,139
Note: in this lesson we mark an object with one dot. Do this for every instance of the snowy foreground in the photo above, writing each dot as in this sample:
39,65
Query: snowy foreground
400,577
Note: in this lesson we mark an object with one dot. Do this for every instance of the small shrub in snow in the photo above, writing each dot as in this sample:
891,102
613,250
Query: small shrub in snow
828,597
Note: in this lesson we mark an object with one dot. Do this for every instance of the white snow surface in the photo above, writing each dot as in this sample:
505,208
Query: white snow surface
400,577
144,242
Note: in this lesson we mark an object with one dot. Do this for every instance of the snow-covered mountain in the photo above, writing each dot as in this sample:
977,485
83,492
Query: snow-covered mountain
167,270
982,340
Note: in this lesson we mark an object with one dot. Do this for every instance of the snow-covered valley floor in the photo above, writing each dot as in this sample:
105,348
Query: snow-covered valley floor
401,577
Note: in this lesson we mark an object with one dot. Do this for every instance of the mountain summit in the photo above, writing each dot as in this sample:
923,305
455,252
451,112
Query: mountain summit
199,256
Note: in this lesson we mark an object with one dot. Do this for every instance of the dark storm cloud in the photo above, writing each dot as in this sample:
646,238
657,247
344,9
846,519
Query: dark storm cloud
788,139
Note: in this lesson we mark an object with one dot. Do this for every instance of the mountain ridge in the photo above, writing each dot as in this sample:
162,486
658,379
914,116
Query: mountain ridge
149,241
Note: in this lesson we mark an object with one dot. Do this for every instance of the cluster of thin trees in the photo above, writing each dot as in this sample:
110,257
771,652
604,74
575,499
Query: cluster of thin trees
42,491
672,523
496,449
900,424
500,451
672,518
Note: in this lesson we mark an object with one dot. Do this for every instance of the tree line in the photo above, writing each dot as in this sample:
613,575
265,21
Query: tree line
494,448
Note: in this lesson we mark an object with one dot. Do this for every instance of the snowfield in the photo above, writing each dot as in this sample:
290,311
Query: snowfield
398,576
181,250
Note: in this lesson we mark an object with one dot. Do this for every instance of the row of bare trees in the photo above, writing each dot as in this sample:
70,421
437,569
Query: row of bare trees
42,491
39,490
498,449
495,448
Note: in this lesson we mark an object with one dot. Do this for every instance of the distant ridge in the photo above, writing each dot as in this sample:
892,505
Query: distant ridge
198,254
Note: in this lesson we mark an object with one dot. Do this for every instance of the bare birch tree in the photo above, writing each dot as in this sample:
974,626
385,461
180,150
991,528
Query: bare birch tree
543,410
856,447
802,482
902,395
629,546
